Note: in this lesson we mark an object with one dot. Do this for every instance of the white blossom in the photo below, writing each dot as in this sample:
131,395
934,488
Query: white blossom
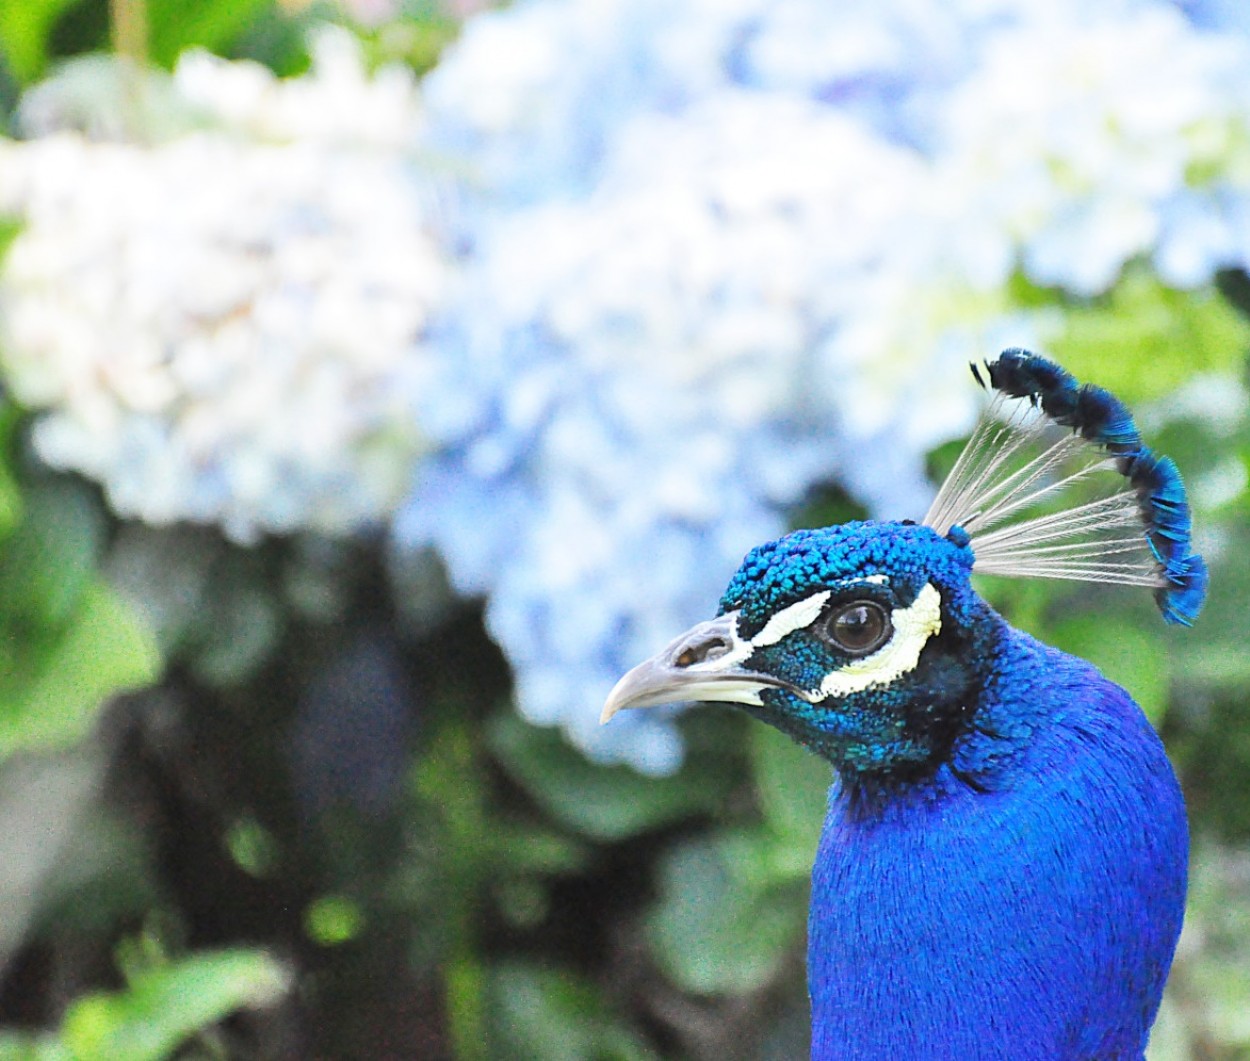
228,326
1085,136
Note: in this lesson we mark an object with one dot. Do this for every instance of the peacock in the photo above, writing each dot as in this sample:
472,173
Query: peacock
1002,868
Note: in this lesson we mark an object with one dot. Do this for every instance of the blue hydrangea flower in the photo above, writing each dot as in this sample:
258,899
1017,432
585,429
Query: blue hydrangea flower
717,252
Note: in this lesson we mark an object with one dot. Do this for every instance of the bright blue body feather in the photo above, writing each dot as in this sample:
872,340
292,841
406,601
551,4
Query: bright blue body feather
1002,869
1021,901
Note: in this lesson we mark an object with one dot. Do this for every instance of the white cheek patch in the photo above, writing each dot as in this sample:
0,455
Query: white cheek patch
795,617
913,626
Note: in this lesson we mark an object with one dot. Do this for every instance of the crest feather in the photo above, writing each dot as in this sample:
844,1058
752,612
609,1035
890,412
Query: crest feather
1020,459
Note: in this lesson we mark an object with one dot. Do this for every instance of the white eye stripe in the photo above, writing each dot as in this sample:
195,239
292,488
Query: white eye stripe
803,613
913,627
795,617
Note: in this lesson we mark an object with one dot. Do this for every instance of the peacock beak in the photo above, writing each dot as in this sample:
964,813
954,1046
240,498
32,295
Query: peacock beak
705,663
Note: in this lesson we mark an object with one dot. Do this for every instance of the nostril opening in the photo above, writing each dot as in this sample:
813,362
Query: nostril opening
701,652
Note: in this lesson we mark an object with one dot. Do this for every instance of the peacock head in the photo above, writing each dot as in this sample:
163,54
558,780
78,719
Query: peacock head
864,642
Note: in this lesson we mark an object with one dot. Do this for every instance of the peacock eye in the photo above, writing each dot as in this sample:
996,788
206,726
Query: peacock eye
858,627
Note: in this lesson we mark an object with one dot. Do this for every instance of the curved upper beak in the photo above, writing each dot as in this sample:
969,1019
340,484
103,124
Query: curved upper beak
705,663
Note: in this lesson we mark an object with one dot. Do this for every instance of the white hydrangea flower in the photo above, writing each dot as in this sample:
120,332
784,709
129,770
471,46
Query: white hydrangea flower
227,326
339,104
1083,149
719,251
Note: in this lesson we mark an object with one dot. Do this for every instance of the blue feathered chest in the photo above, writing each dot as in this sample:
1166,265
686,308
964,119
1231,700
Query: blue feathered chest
1034,917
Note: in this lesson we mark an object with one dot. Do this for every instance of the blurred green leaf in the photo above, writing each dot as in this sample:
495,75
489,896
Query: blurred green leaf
67,641
1168,1038
24,29
713,933
1130,654
174,25
245,630
1023,602
254,849
103,650
102,878
760,859
19,1046
527,850
11,508
10,228
602,802
1143,340
546,1014
1220,664
164,1006
793,784
330,920
1209,990
10,502
50,559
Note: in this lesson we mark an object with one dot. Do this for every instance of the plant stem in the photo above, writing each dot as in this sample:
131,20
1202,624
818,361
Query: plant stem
130,30
452,778
129,20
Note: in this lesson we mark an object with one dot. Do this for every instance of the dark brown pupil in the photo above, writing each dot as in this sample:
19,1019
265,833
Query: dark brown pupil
858,627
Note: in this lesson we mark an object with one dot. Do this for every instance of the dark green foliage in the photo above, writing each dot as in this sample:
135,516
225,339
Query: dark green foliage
67,641
239,858
434,876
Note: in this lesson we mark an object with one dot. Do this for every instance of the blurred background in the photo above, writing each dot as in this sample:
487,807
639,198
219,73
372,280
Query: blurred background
382,377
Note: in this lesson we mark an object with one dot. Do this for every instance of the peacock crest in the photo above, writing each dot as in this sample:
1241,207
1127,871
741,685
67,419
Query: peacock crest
1041,437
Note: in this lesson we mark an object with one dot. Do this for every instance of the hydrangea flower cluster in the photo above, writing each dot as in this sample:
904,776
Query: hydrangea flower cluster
719,251
697,258
226,326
